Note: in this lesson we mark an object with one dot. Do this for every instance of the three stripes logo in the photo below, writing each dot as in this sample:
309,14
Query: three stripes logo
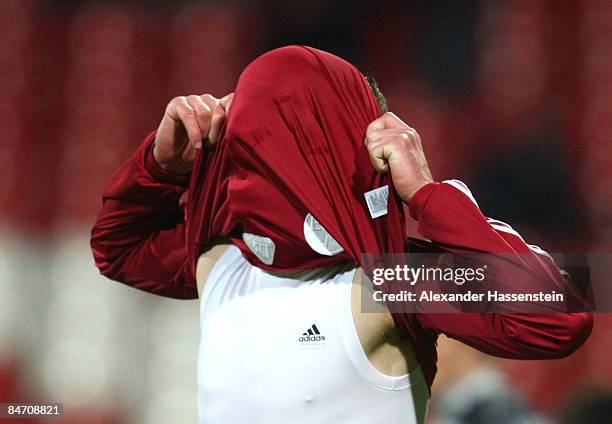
312,337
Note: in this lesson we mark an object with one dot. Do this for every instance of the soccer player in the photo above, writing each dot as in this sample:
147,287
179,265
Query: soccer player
289,180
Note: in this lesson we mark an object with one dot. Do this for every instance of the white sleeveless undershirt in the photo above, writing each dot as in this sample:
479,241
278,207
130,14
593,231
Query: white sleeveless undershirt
277,350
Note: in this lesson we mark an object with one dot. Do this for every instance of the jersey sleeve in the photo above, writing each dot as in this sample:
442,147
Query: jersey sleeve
449,216
139,236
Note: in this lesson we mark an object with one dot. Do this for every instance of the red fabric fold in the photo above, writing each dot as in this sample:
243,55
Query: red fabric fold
293,145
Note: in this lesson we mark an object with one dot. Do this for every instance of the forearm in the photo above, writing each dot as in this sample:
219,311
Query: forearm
449,216
138,238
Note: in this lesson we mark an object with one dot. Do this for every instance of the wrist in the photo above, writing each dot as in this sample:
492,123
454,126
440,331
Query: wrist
173,167
161,173
420,198
408,193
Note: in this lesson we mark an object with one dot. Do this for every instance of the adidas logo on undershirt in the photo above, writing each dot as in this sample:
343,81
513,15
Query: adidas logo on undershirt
312,337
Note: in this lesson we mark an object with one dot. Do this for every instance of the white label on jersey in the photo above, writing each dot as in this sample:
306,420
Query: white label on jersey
262,247
377,201
319,239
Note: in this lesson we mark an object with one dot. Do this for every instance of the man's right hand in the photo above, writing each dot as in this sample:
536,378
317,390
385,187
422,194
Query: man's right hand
188,123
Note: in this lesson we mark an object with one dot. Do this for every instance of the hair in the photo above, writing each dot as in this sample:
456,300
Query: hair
380,97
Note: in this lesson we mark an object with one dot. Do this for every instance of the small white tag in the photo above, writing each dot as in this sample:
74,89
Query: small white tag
377,201
262,247
319,239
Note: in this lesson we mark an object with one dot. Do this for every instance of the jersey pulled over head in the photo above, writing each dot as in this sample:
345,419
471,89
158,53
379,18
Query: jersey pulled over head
290,182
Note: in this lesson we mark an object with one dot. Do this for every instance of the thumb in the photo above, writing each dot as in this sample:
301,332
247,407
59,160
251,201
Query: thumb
226,102
380,157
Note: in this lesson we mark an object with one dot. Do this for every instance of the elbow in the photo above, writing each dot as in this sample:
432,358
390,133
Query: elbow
103,259
549,336
574,330
106,269
105,266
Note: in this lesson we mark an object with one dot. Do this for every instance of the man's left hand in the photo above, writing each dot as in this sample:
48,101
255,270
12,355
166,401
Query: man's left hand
395,147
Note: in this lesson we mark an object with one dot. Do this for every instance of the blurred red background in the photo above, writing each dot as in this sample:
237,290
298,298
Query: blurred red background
513,97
